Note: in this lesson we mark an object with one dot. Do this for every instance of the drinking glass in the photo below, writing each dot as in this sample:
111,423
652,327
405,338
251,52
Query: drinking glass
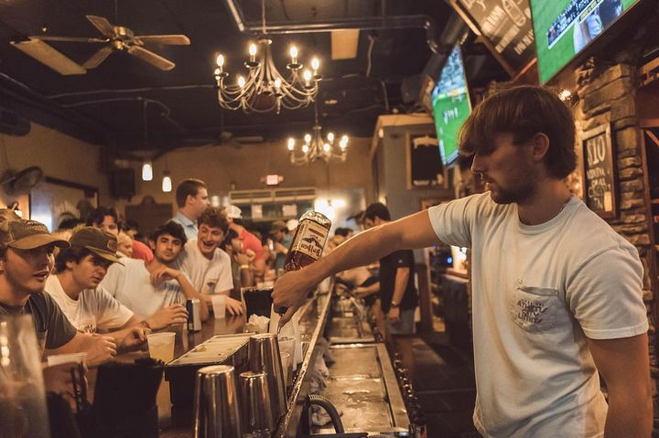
23,410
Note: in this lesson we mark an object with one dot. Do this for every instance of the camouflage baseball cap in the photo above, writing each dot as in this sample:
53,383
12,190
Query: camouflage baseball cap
99,242
26,234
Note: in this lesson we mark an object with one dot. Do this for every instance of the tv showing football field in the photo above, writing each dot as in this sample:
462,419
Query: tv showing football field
564,27
451,105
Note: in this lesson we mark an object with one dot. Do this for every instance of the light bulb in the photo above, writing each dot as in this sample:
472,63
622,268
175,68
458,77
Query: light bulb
220,61
343,144
305,148
166,183
330,137
241,81
326,147
252,49
306,75
315,64
278,83
293,52
291,144
564,94
147,171
307,138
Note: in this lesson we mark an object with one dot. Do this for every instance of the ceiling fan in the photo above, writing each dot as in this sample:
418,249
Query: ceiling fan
115,38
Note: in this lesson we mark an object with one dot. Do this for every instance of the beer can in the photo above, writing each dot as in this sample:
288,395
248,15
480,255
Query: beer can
193,306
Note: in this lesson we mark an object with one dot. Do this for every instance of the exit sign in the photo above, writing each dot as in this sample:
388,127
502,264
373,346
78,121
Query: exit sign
273,180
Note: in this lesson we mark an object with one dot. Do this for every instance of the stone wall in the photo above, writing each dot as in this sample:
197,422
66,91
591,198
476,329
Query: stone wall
607,94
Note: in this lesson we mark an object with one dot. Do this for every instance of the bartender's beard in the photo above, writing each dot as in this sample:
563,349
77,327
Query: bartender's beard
519,189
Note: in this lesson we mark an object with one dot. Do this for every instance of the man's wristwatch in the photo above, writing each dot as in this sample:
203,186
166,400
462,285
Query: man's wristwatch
394,305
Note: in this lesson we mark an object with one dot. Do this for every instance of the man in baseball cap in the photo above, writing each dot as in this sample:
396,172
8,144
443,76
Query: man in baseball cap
26,259
88,306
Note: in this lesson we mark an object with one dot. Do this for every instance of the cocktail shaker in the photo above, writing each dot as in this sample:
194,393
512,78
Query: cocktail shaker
264,357
216,404
255,407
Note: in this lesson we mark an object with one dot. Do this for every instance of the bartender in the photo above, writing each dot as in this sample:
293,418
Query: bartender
556,292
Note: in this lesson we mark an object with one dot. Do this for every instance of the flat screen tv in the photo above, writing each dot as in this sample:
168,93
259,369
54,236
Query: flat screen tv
451,105
563,28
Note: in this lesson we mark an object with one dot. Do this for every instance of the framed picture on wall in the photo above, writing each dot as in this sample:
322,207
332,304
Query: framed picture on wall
55,200
424,164
600,179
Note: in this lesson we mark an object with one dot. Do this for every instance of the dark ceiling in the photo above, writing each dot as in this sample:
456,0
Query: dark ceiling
106,104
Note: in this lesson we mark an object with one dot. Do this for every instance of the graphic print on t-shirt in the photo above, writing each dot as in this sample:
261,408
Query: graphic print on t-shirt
533,308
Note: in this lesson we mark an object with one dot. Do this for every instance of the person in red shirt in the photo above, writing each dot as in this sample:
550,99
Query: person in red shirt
249,241
107,219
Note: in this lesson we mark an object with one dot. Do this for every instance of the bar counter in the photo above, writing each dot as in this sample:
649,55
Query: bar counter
312,324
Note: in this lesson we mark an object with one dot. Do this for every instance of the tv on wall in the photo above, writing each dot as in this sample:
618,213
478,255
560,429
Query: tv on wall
451,105
563,28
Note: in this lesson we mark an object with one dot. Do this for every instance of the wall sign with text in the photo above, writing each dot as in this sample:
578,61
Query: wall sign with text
506,26
599,173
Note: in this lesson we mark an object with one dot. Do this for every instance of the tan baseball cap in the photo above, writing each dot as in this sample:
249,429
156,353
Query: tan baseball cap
100,242
26,234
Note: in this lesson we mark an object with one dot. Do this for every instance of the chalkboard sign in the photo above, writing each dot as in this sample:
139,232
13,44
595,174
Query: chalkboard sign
600,177
506,27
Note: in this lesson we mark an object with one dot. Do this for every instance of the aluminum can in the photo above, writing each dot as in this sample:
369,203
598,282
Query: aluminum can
193,306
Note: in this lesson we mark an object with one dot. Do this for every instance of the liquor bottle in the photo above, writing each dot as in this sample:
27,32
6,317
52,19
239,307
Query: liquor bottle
308,241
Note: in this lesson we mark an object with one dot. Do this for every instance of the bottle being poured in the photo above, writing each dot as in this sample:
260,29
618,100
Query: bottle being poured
307,245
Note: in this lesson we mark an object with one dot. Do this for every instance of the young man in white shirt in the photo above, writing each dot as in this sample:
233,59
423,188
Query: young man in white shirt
79,270
192,200
556,292
207,266
147,287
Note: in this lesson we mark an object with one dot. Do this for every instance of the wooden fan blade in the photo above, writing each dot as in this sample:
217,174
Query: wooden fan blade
50,57
151,58
175,40
98,57
102,25
69,39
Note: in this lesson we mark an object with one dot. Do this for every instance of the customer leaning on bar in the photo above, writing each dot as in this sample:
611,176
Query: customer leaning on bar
75,287
556,292
26,259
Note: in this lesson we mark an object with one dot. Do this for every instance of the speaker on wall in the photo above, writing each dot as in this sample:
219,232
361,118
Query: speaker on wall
123,183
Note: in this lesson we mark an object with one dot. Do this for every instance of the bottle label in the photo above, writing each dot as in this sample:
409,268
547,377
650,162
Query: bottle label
310,239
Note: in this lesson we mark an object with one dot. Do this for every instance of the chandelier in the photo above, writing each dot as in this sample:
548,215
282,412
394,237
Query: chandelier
264,89
315,146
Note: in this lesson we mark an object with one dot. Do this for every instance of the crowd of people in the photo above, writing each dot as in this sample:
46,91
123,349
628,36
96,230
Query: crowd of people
97,286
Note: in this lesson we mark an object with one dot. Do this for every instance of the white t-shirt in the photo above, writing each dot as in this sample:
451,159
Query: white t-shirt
94,309
538,291
207,276
130,283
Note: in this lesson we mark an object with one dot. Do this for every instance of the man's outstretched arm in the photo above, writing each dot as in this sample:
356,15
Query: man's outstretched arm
410,232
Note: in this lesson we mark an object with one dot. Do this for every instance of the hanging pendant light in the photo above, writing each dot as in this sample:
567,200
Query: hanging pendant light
166,182
147,171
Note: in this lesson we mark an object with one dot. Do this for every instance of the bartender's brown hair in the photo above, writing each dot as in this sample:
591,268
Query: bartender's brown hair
523,111
214,217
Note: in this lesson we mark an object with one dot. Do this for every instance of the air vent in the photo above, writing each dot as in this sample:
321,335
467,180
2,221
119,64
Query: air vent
242,197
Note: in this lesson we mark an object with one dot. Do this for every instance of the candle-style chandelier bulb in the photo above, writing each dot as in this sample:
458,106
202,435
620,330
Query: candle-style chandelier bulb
316,146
